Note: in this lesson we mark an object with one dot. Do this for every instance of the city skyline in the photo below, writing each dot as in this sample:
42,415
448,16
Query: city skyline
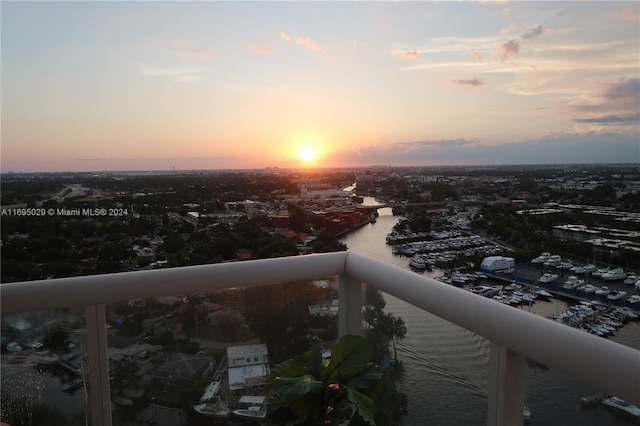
97,86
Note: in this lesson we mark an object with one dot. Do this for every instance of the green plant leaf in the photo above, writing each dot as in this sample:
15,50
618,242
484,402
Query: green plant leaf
364,404
296,387
349,356
290,368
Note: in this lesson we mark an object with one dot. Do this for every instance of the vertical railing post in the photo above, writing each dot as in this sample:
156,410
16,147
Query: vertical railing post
349,306
506,386
99,392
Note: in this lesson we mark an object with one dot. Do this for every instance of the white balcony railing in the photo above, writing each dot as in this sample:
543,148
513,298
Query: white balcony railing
515,335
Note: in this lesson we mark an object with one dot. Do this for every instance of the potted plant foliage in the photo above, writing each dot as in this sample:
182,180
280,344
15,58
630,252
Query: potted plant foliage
342,390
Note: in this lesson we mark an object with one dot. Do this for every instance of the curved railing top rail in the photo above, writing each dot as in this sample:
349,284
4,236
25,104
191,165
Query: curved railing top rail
603,364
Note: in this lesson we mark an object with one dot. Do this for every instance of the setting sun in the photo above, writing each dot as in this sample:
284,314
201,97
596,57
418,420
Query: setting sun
308,154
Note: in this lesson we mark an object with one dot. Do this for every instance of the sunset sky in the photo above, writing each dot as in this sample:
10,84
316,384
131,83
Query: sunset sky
211,85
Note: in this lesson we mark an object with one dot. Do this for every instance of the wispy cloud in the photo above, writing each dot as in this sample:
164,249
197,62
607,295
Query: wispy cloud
617,104
285,36
630,13
262,48
309,43
508,30
558,12
535,32
509,49
470,82
410,54
180,74
611,120
199,53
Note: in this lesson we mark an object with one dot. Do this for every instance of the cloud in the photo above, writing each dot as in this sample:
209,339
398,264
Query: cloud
509,48
263,48
556,148
622,97
180,74
630,13
199,53
508,30
476,56
471,82
611,120
309,44
411,54
626,93
558,12
285,36
535,32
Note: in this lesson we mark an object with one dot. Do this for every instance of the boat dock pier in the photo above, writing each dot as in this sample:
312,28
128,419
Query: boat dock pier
527,275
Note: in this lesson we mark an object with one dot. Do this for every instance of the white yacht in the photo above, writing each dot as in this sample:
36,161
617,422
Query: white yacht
565,264
600,271
631,279
553,261
616,294
542,258
614,274
586,269
603,291
622,406
573,282
254,413
589,288
634,299
547,277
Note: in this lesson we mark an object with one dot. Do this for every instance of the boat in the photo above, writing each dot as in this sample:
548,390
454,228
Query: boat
547,277
417,262
600,271
614,274
553,261
212,409
616,294
566,264
211,392
626,313
589,288
622,406
603,291
255,413
542,293
634,299
586,269
631,279
542,258
573,282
